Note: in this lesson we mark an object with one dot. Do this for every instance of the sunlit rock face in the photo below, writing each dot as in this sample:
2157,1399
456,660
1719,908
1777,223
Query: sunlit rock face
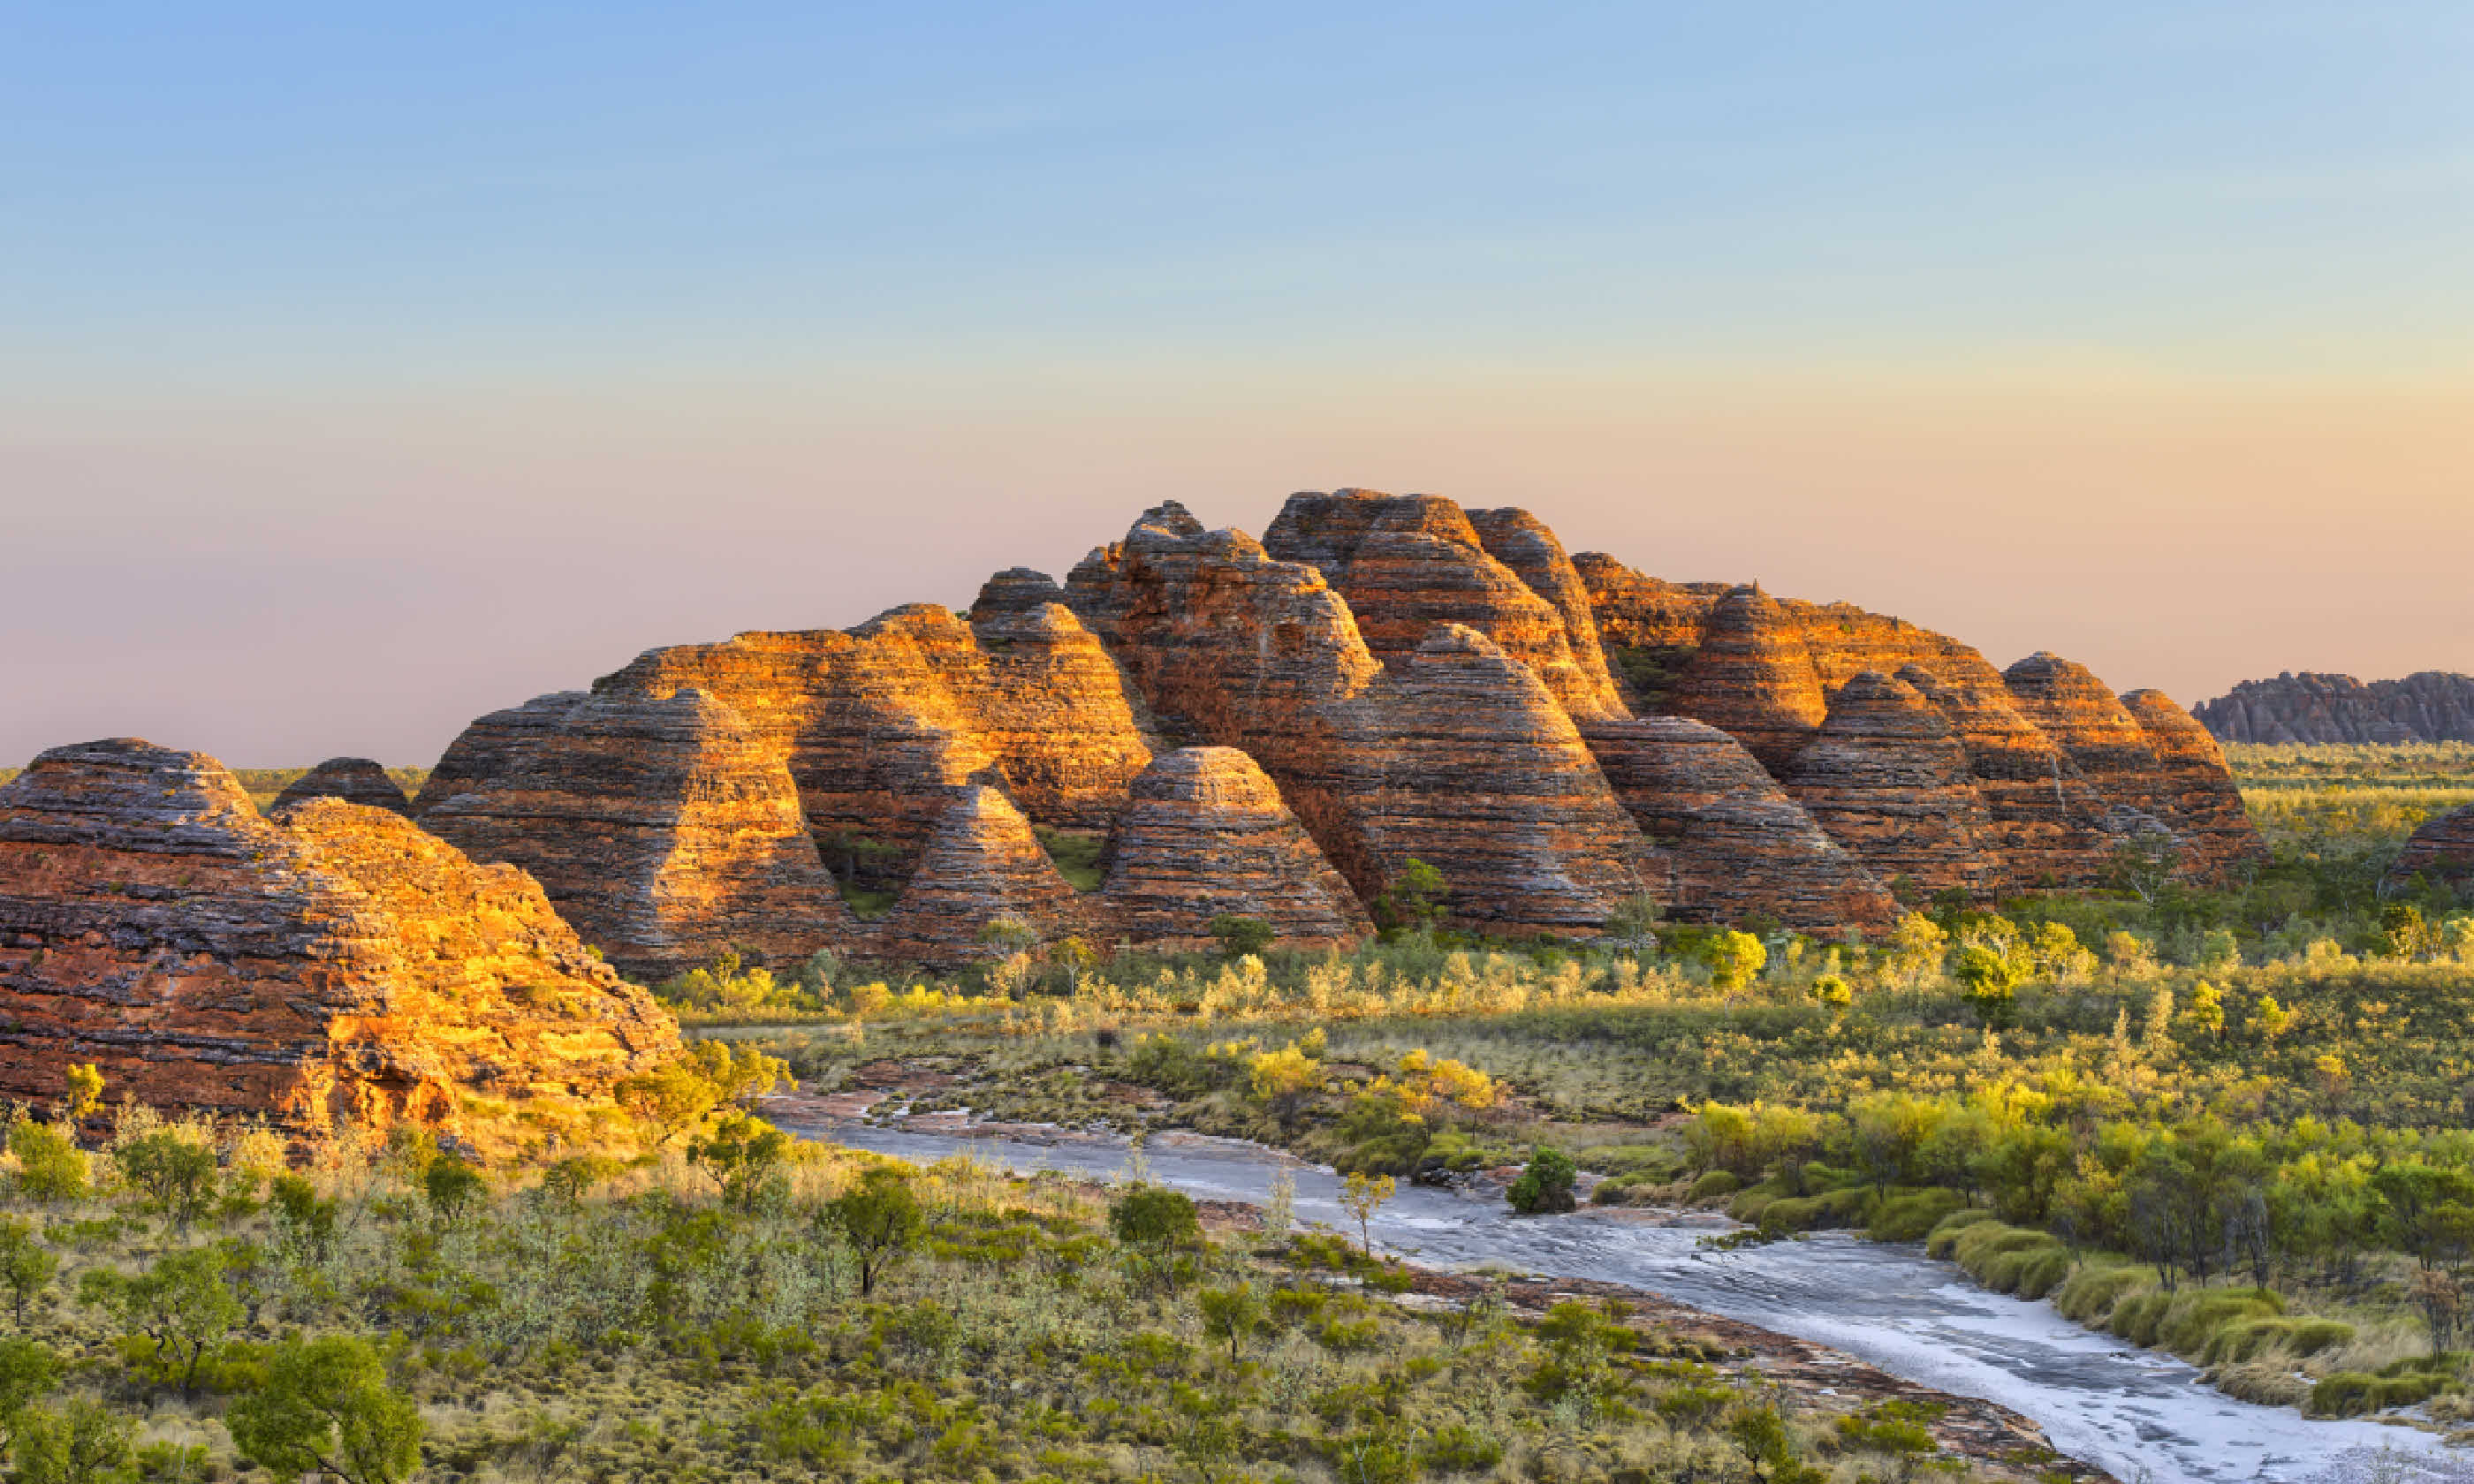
1887,779
332,961
1208,835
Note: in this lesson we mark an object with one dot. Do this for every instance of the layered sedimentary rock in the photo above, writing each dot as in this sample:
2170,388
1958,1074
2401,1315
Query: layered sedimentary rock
980,866
2067,703
2433,705
2045,826
2192,790
335,960
1207,834
1753,678
1734,846
353,780
1409,562
1887,779
491,745
2442,852
665,828
1649,629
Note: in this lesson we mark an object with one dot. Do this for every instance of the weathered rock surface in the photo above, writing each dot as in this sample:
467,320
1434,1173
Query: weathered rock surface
2045,826
353,780
1732,844
335,960
1887,779
2441,851
1410,562
491,745
666,829
1208,834
2433,705
2067,703
982,864
1753,678
2192,791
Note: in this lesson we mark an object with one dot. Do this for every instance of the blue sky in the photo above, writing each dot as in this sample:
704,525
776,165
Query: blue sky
386,368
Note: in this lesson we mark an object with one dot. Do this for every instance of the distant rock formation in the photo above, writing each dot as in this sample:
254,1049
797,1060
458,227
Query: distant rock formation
2433,705
489,746
332,960
664,830
353,780
2442,852
982,866
1207,835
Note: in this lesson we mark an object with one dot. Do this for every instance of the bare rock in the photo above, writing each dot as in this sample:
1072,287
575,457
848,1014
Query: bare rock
2441,851
1753,678
1207,835
2193,790
2433,705
491,745
1887,779
353,780
982,864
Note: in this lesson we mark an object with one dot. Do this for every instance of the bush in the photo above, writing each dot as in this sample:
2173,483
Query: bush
1715,1185
1945,1235
1911,1215
2094,1292
1545,1186
2195,1319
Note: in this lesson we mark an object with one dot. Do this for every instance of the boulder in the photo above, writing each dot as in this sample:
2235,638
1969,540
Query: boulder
1888,779
334,961
665,828
1207,834
353,780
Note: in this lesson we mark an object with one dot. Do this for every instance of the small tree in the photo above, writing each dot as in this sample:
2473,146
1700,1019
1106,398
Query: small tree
306,1219
677,1096
1231,1314
28,1370
84,1094
1413,903
453,1186
1545,1184
1633,922
51,1168
744,1156
2271,1019
82,1443
180,1303
326,1408
1832,993
1239,936
27,1266
1991,981
881,1219
1153,1218
1734,958
177,1173
1362,1195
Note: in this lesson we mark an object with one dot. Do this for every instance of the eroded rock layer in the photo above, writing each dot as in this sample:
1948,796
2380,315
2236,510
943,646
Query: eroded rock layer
491,745
2442,852
2045,826
334,961
1888,779
353,780
982,864
2193,791
665,828
1753,678
1207,834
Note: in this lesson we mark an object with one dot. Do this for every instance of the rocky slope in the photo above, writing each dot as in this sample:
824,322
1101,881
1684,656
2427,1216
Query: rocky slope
353,780
1413,680
2441,851
332,961
1207,834
2430,707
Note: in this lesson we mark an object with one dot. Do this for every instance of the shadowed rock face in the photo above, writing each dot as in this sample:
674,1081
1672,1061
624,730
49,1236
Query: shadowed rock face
1887,779
1753,678
981,864
353,780
2193,791
489,746
1208,834
332,960
1733,843
1409,562
665,830
2441,851
2430,707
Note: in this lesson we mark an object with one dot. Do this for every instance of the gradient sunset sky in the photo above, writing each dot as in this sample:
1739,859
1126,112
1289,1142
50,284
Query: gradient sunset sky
359,374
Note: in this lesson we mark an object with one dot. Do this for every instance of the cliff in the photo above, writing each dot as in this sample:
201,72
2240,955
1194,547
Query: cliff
332,960
2430,707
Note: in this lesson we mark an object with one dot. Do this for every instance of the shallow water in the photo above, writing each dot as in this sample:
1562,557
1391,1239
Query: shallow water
2137,1414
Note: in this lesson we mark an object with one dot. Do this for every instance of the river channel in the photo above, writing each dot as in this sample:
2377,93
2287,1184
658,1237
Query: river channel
2139,1415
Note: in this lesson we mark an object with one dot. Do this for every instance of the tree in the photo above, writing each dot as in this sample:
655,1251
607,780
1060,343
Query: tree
1239,936
1231,1314
1832,993
678,1095
881,1219
82,1443
451,1187
180,1303
2271,1019
326,1407
1733,958
744,1154
1545,1184
1991,981
27,1266
1633,922
1577,1347
1155,1218
2207,1010
307,1219
83,1081
1413,903
28,1370
50,1166
1362,1195
177,1173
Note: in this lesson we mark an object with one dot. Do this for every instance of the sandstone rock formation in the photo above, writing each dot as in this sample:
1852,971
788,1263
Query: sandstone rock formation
2433,705
2192,790
353,780
1207,834
335,960
665,830
1753,678
1887,779
2442,852
2045,826
981,864
491,745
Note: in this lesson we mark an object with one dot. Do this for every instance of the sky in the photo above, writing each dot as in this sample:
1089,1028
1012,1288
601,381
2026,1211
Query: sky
361,373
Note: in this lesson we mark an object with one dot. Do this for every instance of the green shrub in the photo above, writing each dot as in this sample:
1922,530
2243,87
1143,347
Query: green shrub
2138,1318
1944,1234
1712,1186
2358,1393
2194,1318
2310,1337
1911,1215
2094,1292
2245,1339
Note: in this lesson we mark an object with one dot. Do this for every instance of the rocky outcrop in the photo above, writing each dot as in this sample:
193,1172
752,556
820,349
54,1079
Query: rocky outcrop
665,830
2192,791
1207,834
1410,562
491,745
2044,828
353,780
334,961
982,864
1753,678
2433,705
1732,845
1888,779
2089,723
2441,852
